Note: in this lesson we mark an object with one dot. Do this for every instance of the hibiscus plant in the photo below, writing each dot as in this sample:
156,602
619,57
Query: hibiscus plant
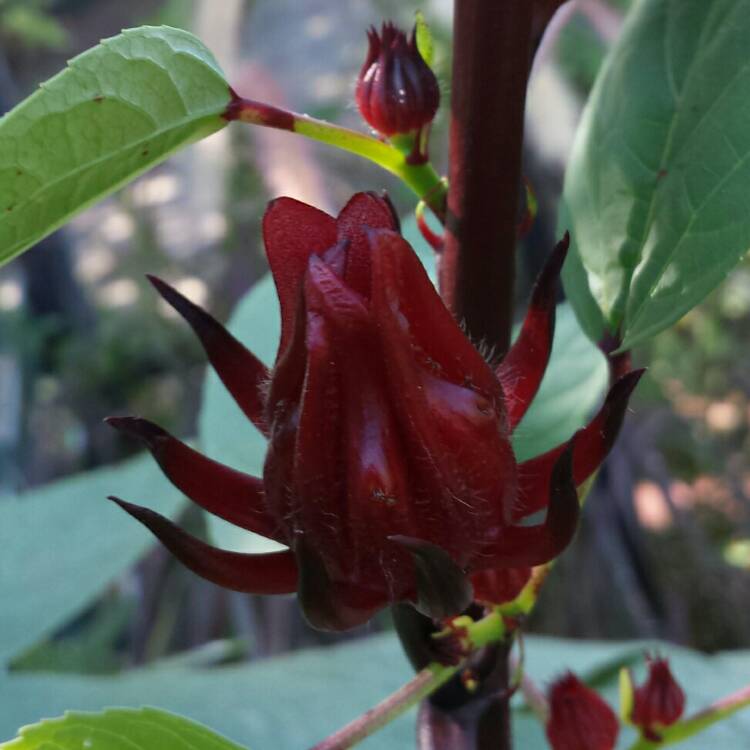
391,480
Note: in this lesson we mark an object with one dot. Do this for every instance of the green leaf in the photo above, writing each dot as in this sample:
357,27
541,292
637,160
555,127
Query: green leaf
661,166
286,703
575,281
572,388
119,729
60,545
34,27
627,695
425,43
280,703
114,112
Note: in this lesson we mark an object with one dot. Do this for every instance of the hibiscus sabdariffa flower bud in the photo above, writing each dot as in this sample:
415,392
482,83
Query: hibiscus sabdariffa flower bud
659,702
390,475
578,718
397,92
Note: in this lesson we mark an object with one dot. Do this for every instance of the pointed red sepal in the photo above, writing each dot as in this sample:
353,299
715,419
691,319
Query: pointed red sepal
522,369
401,284
526,546
292,232
232,495
442,588
366,210
363,212
592,446
270,573
240,370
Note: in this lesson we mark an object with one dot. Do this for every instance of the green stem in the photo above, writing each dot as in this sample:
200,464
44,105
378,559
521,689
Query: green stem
421,178
696,723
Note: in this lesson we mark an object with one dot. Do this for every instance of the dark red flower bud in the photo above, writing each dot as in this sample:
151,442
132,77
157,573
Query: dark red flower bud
397,92
579,719
389,473
659,702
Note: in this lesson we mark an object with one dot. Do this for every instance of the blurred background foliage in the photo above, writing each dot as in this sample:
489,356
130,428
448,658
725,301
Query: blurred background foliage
664,549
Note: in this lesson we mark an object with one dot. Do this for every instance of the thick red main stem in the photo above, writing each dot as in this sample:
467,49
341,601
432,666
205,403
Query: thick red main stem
493,41
492,49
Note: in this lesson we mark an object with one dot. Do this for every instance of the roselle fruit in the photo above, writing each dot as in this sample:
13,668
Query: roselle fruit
389,475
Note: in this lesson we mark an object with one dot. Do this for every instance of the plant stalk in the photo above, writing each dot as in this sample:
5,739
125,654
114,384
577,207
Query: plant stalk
491,60
420,686
492,51
424,181
476,637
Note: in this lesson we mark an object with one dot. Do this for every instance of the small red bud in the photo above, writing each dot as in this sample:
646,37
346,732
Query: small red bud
659,702
579,718
397,92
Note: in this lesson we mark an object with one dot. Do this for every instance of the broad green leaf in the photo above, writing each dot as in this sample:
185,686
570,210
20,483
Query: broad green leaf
280,703
114,112
119,729
575,281
61,544
660,169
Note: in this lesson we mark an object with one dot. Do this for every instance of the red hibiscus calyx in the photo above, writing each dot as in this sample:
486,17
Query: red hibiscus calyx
397,93
389,474
659,702
578,718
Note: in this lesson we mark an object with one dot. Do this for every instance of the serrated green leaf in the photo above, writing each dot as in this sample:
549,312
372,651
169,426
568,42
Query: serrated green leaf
115,111
61,544
119,729
661,165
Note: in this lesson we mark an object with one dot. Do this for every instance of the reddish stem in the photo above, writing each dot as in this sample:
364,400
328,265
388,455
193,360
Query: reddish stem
493,47
492,51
